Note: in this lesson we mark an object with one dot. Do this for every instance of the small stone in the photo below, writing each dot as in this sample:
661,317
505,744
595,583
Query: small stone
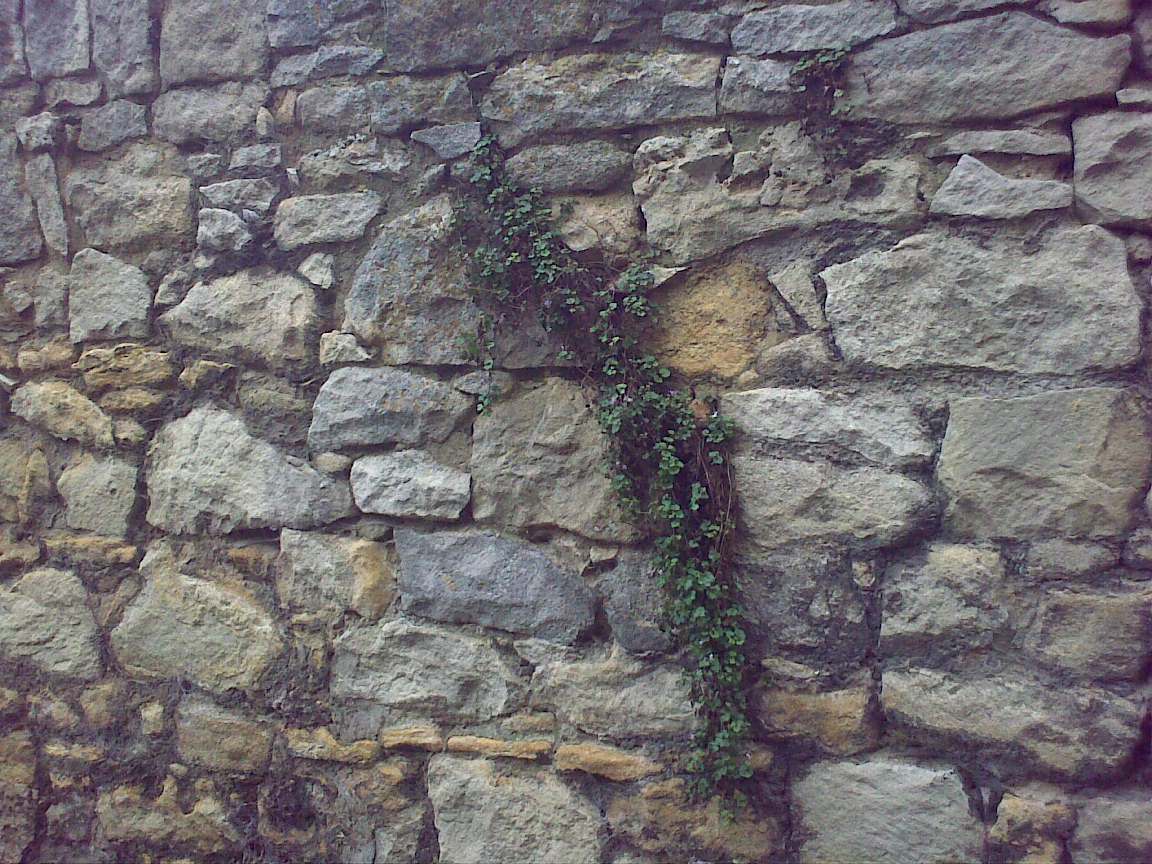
225,112
1017,142
64,412
40,175
254,313
1109,170
128,816
337,348
216,634
885,810
1033,825
451,141
103,703
221,231
592,166
121,46
708,27
39,132
220,739
359,158
19,234
256,195
387,106
494,747
326,62
1113,826
1099,12
56,37
12,68
112,124
837,721
409,483
1057,559
107,298
317,268
810,28
255,157
483,816
974,189
473,577
319,744
603,761
1096,636
126,365
297,23
324,218
418,737
152,719
358,407
57,354
90,549
1139,96
324,573
45,622
100,494
19,796
72,92
632,604
211,40
758,86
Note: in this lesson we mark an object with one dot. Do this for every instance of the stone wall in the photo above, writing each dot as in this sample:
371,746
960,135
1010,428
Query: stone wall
272,591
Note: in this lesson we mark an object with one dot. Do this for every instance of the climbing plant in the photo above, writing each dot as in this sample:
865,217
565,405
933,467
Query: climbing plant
669,451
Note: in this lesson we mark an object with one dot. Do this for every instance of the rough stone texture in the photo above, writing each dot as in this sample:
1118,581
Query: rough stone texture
215,737
358,407
64,412
324,218
112,124
1112,827
1102,636
386,106
19,237
483,816
121,48
936,11
999,66
12,68
883,432
211,41
974,189
810,28
44,186
100,494
252,194
409,483
226,112
326,62
56,37
632,604
208,474
1066,731
537,462
329,574
475,577
127,814
409,295
45,623
107,298
215,633
598,91
1071,462
1072,296
709,27
758,86
18,800
591,166
256,313
1110,170
1023,142
406,669
448,142
885,809
221,231
838,721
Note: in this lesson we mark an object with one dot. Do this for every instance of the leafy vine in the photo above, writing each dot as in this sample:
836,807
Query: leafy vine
670,462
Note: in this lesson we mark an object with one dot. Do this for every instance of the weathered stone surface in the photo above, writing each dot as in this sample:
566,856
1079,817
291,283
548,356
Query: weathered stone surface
974,189
18,793
410,295
451,141
12,68
329,574
788,28
125,365
1058,559
424,34
590,166
784,501
221,231
211,40
311,219
1068,731
838,721
600,91
409,483
221,739
538,461
39,132
225,112
482,815
127,815
40,174
758,86
19,236
357,407
100,494
708,27
358,158
138,200
112,124
610,762
298,23
337,348
45,622
208,474
1033,825
529,750
25,479
213,632
610,694
887,811
999,66
694,207
936,11
107,298
386,106
247,194
882,431
1110,169
475,577
1103,636
78,92
321,745
56,37
326,62
632,604
950,601
121,48
1091,12
256,313
1113,827
1021,142
403,669
256,157
64,412
1071,462
1063,305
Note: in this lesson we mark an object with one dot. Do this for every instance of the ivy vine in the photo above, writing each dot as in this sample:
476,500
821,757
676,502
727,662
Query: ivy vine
669,451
